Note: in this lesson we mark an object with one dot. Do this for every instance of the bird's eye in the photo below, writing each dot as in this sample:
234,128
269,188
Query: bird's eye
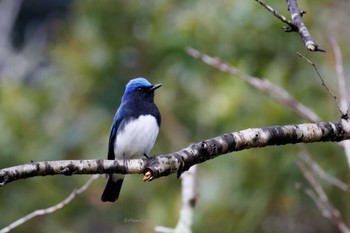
139,89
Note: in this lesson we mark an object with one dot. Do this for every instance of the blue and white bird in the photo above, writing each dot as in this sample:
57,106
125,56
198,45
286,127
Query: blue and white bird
134,130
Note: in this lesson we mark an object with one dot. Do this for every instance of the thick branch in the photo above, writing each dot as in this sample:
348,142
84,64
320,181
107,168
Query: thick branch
70,167
182,160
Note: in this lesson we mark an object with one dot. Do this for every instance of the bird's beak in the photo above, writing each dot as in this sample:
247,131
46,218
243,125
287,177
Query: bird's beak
155,86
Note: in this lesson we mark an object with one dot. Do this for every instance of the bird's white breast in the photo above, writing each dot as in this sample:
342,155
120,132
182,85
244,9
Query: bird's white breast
137,138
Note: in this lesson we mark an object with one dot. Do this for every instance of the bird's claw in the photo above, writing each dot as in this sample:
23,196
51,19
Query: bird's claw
147,176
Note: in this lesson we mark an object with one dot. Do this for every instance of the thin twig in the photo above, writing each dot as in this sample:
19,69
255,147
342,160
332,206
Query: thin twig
276,13
277,93
321,200
343,93
326,211
323,82
305,157
50,209
311,178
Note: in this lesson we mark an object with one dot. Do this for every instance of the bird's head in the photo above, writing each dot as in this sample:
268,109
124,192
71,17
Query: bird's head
140,89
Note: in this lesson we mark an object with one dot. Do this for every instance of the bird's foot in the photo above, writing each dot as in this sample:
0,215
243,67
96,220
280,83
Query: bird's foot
148,176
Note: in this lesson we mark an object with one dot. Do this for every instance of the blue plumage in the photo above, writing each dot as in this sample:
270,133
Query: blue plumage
134,130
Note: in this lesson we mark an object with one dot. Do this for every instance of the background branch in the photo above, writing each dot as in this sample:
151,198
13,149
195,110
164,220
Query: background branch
300,27
275,92
189,200
343,114
51,209
343,93
315,167
319,196
296,25
276,13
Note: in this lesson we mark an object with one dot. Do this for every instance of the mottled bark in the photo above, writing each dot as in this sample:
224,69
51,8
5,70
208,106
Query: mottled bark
182,160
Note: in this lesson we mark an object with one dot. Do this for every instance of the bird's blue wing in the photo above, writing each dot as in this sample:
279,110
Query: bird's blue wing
117,122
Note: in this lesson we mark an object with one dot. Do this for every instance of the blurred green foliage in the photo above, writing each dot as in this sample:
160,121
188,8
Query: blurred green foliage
64,111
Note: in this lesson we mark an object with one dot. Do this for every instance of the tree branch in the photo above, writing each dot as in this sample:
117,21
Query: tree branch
189,200
343,93
319,196
182,160
342,114
275,92
296,25
275,13
317,170
51,209
300,27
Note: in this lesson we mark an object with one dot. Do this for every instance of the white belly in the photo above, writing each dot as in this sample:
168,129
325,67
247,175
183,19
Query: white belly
137,138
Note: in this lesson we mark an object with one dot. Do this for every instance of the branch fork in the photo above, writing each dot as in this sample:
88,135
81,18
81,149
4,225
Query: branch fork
296,24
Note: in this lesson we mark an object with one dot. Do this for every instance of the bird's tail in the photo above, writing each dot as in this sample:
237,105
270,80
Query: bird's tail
112,189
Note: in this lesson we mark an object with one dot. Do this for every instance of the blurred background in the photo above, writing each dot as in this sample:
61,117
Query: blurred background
63,68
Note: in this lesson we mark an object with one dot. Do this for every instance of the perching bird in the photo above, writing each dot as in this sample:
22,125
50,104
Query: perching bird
134,130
